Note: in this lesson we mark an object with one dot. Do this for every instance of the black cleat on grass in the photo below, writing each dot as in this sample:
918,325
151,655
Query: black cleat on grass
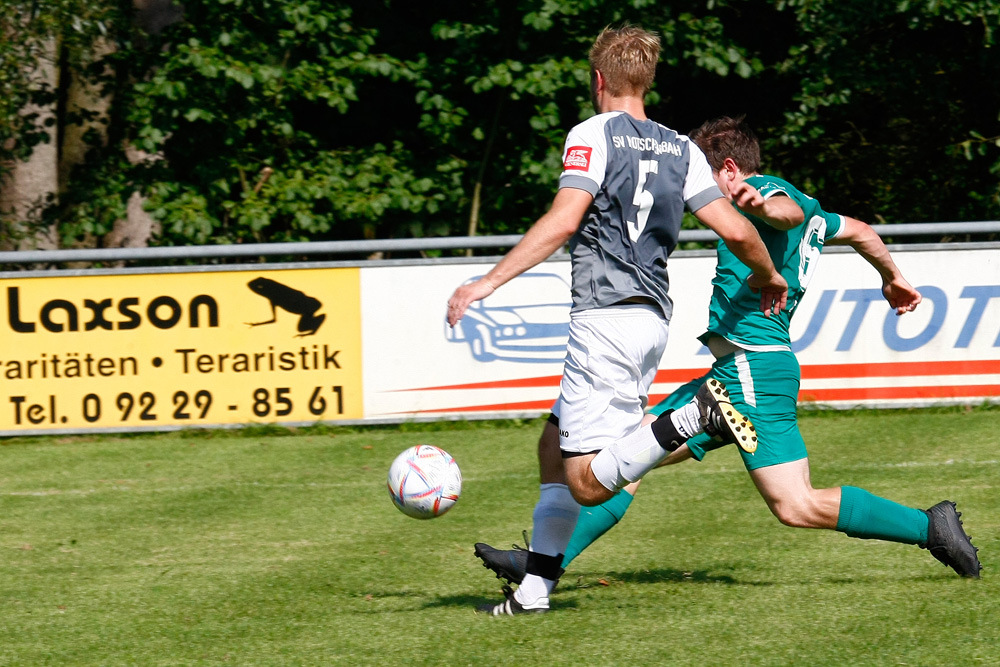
507,564
721,420
947,541
511,607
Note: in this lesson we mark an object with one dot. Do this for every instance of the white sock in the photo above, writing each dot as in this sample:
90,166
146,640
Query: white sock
554,521
627,459
687,419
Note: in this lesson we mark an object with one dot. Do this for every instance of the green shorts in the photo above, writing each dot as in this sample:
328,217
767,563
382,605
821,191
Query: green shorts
764,386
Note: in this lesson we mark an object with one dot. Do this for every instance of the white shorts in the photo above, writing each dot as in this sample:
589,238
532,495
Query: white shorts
611,360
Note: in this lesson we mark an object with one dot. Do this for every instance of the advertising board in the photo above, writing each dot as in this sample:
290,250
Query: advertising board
300,344
506,354
179,349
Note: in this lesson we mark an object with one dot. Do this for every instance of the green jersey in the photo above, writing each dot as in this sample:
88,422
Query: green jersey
734,312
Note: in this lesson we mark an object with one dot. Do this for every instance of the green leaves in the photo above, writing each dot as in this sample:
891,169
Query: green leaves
707,46
889,104
382,119
221,104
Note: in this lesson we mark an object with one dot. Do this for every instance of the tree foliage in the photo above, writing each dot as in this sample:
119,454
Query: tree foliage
275,120
27,29
894,117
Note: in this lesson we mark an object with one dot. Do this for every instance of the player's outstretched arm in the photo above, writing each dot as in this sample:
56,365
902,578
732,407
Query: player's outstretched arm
897,291
741,237
547,235
780,211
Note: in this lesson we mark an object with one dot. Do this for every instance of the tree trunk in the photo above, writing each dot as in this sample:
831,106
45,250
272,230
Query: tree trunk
82,97
33,184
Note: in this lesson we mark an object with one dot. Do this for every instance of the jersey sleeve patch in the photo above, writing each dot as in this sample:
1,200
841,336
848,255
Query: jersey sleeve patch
578,157
769,190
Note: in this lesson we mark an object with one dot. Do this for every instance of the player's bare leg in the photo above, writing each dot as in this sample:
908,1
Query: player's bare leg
855,512
789,494
585,487
550,461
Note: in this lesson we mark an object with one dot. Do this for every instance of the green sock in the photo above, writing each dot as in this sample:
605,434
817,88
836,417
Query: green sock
869,517
594,522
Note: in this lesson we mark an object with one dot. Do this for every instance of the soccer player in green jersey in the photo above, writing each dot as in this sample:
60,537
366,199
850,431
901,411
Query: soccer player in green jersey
755,362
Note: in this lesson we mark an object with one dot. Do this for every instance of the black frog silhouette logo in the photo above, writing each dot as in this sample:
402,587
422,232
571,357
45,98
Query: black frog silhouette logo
290,300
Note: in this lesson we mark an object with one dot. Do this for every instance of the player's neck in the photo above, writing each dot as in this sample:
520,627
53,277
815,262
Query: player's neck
633,106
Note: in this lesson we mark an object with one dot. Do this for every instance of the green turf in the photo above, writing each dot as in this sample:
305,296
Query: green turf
269,548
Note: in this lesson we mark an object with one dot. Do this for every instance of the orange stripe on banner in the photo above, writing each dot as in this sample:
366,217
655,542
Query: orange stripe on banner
498,407
681,375
901,369
678,375
550,381
888,369
873,393
811,372
812,395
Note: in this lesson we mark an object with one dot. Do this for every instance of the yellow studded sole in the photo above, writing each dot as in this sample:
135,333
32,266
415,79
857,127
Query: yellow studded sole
741,427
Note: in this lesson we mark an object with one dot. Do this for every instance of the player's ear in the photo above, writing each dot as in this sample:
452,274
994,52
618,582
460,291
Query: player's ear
596,87
730,170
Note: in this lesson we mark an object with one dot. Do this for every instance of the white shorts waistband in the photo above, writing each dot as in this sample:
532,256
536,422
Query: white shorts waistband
619,310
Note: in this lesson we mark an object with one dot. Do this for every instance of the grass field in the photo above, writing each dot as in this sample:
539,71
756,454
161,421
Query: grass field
265,547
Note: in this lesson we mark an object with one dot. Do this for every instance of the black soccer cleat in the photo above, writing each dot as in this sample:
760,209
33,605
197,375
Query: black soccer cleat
721,420
507,564
511,607
947,541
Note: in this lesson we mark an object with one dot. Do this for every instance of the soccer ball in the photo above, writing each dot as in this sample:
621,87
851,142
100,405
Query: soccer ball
424,481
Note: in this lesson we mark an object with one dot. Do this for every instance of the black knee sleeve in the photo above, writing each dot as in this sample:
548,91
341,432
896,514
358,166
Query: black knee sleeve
666,433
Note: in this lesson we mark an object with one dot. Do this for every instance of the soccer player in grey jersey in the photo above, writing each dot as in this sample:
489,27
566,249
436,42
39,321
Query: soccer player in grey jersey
621,196
628,166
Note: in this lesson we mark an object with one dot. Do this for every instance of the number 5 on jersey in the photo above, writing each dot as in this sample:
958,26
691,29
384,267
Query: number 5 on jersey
642,198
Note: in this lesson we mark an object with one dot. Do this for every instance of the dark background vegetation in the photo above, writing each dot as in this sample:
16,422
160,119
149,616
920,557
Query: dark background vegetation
287,120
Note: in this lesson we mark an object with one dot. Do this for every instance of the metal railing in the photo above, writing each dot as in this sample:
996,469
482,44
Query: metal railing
402,245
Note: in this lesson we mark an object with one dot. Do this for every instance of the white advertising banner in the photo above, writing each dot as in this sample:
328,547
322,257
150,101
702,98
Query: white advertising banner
505,356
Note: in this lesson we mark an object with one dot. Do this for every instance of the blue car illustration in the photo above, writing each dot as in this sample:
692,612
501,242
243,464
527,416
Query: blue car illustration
525,321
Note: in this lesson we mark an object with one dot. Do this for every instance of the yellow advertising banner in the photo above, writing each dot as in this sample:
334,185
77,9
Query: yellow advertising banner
180,349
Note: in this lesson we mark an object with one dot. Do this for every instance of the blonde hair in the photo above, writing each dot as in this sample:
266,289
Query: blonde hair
626,57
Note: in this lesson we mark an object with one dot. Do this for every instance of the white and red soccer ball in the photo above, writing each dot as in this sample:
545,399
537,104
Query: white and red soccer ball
424,481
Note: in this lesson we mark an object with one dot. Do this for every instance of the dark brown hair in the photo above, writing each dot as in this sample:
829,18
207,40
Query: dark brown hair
729,137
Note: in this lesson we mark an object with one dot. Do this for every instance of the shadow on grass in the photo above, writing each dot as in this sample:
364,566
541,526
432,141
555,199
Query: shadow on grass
877,579
594,579
658,576
473,602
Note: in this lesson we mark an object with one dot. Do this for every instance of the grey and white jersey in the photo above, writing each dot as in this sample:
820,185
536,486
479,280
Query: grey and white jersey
641,174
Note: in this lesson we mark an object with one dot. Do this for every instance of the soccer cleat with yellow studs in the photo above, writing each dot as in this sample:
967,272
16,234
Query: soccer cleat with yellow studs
721,420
